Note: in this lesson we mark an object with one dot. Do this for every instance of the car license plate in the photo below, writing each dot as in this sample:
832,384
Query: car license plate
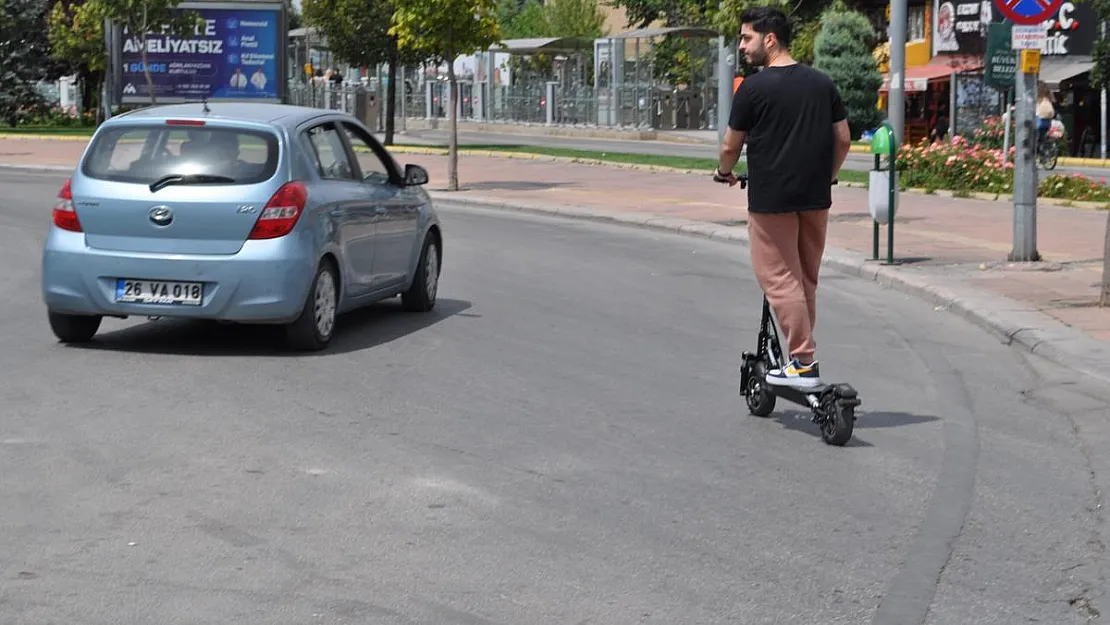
159,292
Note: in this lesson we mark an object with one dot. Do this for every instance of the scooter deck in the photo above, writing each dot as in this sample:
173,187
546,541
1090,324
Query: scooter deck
802,396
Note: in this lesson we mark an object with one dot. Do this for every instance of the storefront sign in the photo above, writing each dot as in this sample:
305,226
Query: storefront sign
961,27
1072,31
233,54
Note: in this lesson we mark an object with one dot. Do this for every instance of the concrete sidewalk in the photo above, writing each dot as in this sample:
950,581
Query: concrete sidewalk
951,251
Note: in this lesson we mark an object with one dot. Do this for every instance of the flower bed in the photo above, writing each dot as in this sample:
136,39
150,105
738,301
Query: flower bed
978,166
955,166
1074,187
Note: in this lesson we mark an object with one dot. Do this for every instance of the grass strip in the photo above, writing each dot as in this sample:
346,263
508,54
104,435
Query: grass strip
654,160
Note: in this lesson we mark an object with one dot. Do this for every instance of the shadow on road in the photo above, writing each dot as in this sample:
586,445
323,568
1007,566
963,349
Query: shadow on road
798,421
355,331
882,419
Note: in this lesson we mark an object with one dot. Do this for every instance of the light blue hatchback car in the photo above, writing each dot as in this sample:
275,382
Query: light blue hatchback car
242,212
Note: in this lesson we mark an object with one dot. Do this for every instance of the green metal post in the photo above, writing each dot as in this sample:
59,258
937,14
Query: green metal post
890,199
875,234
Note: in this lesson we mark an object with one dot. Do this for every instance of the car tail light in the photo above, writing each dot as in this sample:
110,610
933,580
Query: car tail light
281,212
65,217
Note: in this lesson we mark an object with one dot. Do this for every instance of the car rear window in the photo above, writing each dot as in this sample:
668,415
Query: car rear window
145,154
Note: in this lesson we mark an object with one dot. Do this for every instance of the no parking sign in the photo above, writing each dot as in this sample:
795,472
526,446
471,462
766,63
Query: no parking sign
1028,12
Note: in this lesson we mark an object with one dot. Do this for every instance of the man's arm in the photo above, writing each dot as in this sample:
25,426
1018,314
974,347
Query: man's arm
730,149
842,143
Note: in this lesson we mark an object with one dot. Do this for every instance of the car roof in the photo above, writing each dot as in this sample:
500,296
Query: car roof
258,112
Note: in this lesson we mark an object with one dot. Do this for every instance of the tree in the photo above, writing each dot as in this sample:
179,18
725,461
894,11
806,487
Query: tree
643,13
574,18
444,30
357,32
24,57
1100,73
522,21
843,50
75,30
143,18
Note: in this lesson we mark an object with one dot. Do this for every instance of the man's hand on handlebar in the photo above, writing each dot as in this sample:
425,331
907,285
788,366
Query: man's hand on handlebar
729,178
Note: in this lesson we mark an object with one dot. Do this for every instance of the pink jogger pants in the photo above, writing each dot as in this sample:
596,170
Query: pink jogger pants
786,251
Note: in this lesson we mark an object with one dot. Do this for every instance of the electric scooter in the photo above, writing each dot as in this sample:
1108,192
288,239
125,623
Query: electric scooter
833,405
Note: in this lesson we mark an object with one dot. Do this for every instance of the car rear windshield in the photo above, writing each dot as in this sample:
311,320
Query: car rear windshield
145,154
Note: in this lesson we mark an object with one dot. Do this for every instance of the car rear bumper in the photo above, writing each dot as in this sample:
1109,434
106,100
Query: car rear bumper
265,282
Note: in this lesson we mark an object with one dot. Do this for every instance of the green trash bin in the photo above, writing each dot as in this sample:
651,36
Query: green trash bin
882,192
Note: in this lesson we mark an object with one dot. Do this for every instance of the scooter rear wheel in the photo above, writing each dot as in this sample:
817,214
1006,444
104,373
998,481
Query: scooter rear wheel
761,402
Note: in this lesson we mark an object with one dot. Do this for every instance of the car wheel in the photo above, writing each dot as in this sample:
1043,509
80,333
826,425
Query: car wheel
74,328
421,296
313,330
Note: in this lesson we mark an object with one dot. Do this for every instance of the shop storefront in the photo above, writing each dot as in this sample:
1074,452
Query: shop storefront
922,118
952,80
1065,68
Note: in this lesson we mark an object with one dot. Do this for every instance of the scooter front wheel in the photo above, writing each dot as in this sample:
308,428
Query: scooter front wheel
761,401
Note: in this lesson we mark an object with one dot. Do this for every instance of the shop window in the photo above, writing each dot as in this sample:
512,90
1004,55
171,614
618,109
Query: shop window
915,26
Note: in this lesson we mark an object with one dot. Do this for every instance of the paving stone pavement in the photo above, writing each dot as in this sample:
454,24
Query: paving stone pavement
950,250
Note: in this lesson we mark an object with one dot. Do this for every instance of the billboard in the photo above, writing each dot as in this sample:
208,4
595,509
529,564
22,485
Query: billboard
234,54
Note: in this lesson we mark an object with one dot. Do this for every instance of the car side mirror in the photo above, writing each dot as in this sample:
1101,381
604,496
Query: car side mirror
415,175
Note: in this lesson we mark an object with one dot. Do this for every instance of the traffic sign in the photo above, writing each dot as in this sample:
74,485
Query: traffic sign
1028,12
1001,59
1029,37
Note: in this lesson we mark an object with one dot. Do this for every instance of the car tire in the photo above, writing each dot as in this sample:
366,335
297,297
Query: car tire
421,296
312,331
74,328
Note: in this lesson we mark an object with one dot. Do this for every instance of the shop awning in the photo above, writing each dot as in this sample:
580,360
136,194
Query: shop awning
1056,70
918,77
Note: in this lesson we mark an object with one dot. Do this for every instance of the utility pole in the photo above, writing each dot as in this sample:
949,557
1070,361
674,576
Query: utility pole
726,71
1025,159
896,94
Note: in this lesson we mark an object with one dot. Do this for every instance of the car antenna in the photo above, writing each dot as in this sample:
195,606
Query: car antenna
204,101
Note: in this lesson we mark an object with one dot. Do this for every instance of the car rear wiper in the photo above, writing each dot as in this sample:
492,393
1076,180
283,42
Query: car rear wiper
166,181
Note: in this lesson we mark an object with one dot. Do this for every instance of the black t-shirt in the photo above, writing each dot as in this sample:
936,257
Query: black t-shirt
788,113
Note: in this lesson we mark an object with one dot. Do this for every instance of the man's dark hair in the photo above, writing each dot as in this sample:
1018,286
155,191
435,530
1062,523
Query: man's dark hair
765,20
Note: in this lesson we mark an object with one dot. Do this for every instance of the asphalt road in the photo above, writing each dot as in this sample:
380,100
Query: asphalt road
561,441
859,162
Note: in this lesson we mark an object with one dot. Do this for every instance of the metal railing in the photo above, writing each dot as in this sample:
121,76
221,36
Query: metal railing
527,102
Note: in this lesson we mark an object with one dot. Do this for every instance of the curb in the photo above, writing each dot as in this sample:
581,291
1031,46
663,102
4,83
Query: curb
1010,321
38,169
979,195
1066,161
16,136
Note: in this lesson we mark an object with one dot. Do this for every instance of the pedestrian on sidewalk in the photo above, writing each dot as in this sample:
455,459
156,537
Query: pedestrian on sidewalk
795,125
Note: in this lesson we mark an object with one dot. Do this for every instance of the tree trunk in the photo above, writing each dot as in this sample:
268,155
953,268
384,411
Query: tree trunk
146,67
391,98
453,143
90,82
1104,295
